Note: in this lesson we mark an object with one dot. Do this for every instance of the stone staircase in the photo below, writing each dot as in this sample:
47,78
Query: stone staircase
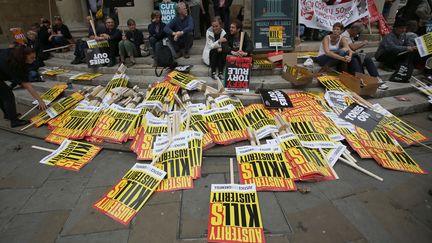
142,74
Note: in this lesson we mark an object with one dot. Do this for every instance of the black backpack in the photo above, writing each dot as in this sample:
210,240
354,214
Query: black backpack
163,58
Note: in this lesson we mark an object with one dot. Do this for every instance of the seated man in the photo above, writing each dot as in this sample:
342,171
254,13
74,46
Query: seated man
60,35
232,45
113,36
180,31
130,43
393,49
364,61
156,30
81,45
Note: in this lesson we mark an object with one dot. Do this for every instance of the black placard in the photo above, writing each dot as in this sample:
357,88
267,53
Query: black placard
121,3
361,116
266,13
275,98
96,57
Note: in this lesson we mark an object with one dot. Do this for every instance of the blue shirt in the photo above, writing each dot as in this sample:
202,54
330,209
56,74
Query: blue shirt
177,24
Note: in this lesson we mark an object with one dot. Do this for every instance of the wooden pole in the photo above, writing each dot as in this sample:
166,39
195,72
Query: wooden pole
361,169
29,111
92,23
241,40
31,124
42,148
231,170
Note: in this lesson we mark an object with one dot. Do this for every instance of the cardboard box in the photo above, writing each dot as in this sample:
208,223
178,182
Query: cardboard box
297,76
362,84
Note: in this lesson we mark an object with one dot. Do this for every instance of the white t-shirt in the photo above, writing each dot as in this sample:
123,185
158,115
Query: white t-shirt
347,37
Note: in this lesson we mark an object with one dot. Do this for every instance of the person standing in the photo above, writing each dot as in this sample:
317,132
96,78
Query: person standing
13,68
222,9
195,9
130,43
180,31
212,53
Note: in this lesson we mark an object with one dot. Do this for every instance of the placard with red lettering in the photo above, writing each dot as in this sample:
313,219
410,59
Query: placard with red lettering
237,73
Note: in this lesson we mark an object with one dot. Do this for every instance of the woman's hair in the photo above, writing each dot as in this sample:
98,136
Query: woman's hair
237,23
155,13
130,22
338,24
217,19
17,58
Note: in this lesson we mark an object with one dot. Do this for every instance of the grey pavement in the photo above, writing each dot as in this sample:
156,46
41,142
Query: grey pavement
39,203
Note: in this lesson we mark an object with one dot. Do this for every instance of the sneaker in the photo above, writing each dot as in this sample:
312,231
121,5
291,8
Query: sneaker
186,55
380,81
214,76
383,86
430,117
18,123
76,61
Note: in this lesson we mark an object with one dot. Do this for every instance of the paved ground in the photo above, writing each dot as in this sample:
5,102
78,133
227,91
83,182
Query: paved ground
39,203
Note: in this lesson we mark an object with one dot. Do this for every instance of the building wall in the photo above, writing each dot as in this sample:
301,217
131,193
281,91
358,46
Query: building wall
22,13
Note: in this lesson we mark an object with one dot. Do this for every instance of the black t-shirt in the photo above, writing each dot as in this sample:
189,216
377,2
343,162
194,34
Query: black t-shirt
6,71
62,29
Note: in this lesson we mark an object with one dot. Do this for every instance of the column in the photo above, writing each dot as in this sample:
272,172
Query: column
393,11
141,13
72,13
247,14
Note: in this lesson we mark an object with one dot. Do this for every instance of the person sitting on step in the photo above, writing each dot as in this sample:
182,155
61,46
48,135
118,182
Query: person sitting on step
60,35
156,31
212,53
81,45
180,31
232,45
350,34
130,43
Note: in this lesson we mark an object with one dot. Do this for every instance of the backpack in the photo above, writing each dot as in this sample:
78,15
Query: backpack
163,58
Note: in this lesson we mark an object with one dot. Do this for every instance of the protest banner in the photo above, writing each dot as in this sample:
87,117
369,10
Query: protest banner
93,44
275,98
197,123
257,117
237,73
265,167
96,57
130,194
332,83
115,124
72,155
319,15
226,125
424,44
361,116
184,80
79,123
311,134
143,142
276,36
54,71
118,80
234,214
178,159
159,92
225,100
308,164
168,11
58,120
140,120
396,161
85,76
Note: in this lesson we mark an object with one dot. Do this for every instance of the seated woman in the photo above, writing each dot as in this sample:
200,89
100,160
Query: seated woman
60,35
212,54
156,31
130,43
334,51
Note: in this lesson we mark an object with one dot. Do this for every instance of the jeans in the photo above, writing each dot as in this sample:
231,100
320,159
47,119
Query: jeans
217,60
126,47
184,42
325,60
60,41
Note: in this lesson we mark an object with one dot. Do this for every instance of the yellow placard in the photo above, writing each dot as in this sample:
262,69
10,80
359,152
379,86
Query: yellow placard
275,35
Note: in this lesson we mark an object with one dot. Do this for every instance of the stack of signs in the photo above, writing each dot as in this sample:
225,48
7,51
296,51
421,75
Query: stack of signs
130,194
50,95
180,158
224,100
234,214
226,125
79,124
332,83
198,124
307,164
56,109
72,155
115,124
266,167
261,120
158,92
237,73
54,71
85,76
275,98
119,80
168,11
140,119
143,142
185,81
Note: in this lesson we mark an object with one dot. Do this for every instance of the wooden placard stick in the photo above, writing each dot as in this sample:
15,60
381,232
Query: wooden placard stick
29,111
57,48
92,24
328,163
42,148
220,88
241,40
188,119
361,169
31,124
231,170
170,140
179,102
